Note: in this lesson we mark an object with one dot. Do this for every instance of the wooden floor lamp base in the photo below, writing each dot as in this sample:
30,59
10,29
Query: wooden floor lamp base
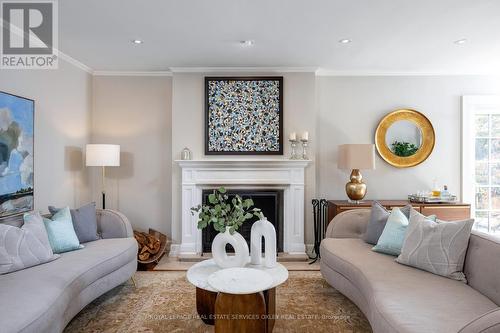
237,313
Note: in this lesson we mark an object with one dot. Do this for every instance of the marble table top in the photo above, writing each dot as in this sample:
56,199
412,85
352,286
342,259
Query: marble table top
240,280
198,273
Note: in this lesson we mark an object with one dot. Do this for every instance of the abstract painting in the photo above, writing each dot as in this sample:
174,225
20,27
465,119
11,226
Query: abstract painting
244,116
16,154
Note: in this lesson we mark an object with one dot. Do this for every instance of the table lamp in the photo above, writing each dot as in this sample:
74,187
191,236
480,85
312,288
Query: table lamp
102,155
355,157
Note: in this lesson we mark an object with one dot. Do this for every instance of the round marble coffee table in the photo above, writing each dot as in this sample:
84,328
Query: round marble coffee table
227,308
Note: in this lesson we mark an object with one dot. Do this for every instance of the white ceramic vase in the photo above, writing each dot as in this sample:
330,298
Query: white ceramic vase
263,228
241,252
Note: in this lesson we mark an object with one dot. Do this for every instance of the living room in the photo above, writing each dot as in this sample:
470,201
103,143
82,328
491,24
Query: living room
250,166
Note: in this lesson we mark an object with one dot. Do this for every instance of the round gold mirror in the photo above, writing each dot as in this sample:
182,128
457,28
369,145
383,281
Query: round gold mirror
404,138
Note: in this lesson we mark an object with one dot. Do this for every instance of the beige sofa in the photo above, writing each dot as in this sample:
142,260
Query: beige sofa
44,298
398,298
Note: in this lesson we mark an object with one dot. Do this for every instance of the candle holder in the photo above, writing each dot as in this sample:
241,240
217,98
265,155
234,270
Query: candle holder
305,143
293,154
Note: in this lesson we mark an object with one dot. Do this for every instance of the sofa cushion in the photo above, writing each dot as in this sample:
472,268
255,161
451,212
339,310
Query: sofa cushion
26,246
84,221
391,240
31,293
61,233
436,247
378,219
408,299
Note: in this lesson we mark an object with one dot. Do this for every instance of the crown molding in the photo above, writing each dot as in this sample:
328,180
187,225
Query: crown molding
318,71
132,73
327,72
69,59
243,69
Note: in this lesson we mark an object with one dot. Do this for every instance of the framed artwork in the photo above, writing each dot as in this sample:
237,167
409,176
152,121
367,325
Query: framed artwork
16,154
244,115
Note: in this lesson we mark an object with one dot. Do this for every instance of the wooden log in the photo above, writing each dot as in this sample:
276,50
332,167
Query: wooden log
151,245
148,245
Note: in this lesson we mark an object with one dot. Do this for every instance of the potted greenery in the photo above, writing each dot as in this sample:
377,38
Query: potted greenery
227,217
404,149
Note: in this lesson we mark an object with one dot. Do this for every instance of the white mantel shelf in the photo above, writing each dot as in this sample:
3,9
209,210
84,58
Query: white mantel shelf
285,174
243,163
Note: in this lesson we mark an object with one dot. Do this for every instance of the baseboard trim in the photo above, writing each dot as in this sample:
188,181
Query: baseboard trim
309,249
174,250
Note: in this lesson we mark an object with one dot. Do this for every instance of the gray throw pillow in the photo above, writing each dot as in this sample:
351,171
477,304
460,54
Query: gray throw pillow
437,247
84,221
26,246
378,219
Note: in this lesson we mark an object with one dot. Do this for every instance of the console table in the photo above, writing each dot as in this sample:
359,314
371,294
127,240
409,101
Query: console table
443,211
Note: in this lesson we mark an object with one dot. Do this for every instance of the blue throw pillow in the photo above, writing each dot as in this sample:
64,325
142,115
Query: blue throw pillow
62,236
392,238
84,221
378,218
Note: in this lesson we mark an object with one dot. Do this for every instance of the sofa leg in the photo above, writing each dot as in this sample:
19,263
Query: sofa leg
133,281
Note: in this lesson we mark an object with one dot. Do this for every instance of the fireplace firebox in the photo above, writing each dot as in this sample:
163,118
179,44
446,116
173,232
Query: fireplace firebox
270,201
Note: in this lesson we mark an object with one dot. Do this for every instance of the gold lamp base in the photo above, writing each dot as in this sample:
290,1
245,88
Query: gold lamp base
356,189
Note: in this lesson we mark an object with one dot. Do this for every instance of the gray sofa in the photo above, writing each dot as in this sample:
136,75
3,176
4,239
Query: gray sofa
46,297
398,298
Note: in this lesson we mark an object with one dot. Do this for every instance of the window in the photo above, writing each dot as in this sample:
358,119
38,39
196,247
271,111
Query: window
481,160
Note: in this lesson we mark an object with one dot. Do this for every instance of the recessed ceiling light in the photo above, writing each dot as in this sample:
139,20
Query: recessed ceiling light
345,41
137,41
461,41
247,43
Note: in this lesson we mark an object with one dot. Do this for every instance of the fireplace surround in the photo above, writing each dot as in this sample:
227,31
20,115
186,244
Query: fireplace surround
248,174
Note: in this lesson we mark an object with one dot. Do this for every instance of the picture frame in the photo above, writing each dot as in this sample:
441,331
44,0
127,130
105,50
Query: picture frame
17,132
244,115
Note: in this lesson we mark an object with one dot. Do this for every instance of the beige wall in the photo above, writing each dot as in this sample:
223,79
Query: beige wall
189,129
335,110
62,128
351,107
135,112
138,113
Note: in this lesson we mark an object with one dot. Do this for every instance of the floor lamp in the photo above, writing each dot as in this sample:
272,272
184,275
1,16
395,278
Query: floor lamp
102,155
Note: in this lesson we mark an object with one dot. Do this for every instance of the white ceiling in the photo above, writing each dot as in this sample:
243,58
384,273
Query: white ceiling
389,36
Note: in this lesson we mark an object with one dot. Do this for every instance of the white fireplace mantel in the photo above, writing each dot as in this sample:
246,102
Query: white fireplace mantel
236,173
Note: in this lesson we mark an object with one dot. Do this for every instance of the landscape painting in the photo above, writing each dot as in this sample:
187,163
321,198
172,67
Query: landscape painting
16,154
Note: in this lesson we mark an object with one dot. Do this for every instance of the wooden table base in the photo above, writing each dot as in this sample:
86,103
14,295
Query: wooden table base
237,313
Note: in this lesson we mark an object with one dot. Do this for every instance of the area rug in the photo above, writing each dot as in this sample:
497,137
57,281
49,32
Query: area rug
165,302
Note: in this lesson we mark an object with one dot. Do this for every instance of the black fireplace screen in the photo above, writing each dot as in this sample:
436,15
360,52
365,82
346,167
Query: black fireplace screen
271,204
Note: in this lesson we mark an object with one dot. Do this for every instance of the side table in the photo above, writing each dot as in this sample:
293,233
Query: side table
230,311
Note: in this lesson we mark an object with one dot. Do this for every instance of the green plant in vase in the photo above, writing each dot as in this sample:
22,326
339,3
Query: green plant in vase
403,149
223,213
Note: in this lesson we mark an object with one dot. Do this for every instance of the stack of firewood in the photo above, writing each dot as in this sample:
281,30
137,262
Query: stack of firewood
149,246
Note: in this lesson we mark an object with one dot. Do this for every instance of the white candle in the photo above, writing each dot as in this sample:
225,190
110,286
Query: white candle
292,136
305,136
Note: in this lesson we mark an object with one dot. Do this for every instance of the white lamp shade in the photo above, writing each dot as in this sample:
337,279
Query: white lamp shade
356,156
102,155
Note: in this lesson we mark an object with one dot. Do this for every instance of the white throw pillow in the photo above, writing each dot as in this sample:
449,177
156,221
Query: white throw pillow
437,247
26,246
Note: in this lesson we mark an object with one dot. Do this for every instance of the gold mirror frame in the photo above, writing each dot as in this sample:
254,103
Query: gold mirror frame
428,138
